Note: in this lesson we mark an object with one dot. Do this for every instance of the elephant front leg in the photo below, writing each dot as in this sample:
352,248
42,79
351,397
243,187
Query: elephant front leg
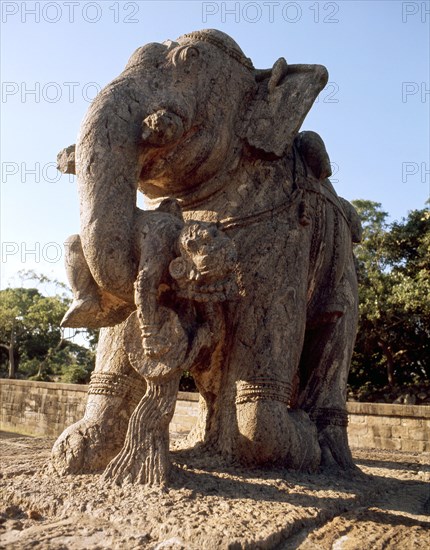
115,390
269,433
265,362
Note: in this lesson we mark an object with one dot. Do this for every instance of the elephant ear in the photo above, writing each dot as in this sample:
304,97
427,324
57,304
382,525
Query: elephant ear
284,97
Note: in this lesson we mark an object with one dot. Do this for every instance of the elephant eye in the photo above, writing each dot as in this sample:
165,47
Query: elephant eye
189,53
184,54
191,245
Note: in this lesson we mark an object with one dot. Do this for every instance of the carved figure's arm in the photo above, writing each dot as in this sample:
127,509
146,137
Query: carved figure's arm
151,268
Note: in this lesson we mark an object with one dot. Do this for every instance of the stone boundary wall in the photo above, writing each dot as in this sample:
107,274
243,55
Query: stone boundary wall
46,408
40,408
391,427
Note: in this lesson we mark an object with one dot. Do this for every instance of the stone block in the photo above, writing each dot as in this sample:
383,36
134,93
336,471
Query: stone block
188,396
411,445
419,434
399,431
353,441
365,442
372,420
177,427
357,419
412,422
184,421
388,443
381,431
358,430
391,420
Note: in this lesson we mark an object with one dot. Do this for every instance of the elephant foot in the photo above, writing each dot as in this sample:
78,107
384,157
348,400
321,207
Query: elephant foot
85,447
331,423
336,455
89,444
304,453
271,434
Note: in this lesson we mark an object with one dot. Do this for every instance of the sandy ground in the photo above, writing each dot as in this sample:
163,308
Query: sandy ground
213,507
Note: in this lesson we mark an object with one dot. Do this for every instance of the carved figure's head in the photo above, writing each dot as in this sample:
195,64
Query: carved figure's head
205,269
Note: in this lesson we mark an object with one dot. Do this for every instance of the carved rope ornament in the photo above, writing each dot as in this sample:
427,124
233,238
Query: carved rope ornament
263,390
329,416
115,385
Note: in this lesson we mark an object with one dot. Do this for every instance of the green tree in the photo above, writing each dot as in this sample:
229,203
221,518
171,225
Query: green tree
29,324
394,288
67,362
32,340
408,254
14,306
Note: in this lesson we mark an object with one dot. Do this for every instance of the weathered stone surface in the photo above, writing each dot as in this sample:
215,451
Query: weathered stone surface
66,160
242,272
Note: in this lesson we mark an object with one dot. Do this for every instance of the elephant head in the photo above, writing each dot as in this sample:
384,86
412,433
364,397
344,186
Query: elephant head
175,123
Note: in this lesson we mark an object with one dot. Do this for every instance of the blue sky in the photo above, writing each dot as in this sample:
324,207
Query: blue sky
373,115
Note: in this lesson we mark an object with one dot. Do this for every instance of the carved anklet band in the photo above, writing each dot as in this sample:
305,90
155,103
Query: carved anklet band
326,416
116,385
263,389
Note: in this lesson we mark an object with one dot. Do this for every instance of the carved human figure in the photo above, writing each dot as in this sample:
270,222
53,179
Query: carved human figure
193,120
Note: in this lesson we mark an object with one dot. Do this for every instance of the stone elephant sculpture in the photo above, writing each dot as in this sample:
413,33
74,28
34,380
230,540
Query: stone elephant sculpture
193,121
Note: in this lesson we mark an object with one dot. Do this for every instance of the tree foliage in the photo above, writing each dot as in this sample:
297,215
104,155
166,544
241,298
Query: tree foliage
393,262
32,343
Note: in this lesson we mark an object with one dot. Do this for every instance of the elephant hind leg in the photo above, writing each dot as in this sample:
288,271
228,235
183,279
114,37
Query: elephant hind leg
323,372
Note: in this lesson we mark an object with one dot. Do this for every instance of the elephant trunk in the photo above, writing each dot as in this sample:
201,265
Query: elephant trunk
114,139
